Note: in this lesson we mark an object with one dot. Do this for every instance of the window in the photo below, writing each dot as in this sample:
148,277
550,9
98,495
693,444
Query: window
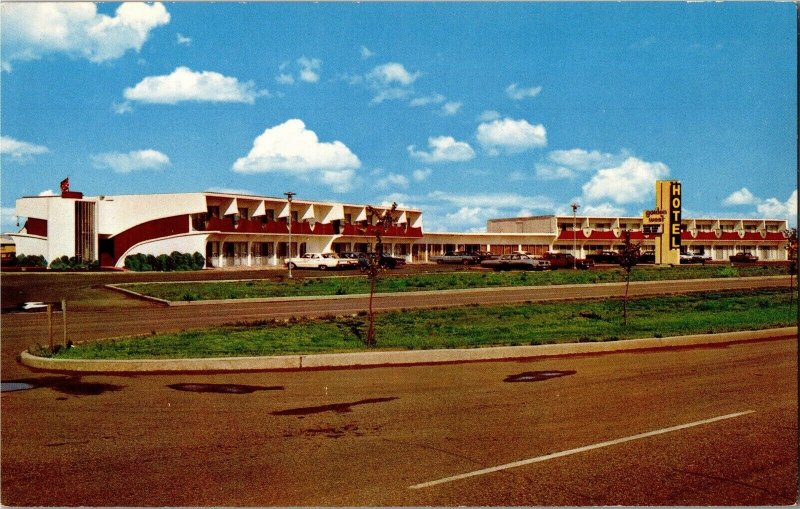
244,213
348,219
213,211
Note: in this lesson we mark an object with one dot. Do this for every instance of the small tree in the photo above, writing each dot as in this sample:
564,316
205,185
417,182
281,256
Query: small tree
628,258
791,247
384,221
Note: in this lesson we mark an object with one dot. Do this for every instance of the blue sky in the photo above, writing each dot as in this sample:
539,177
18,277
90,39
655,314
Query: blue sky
467,111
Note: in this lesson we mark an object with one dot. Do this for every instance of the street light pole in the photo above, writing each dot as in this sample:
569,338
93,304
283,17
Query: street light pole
575,207
289,200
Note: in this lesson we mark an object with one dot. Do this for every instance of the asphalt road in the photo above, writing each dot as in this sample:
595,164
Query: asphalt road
364,437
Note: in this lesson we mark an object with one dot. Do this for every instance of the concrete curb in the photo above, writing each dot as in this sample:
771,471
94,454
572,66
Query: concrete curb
469,291
390,358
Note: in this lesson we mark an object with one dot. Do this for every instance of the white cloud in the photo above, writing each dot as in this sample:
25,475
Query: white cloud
770,208
488,116
421,174
451,108
514,92
47,192
340,181
8,219
741,197
20,151
229,190
601,209
510,136
185,84
443,149
32,30
392,181
426,100
132,161
630,182
550,172
470,216
390,94
121,108
183,40
291,148
309,68
285,79
774,208
494,200
366,53
582,160
391,73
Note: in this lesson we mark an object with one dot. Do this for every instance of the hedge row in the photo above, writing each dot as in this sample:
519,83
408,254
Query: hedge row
30,261
73,263
175,261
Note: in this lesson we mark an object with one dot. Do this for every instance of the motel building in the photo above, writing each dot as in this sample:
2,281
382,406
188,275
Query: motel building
235,230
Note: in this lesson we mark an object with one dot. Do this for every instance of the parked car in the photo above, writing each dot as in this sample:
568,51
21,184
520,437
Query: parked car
388,261
459,257
484,255
692,258
647,257
743,258
516,262
362,260
566,261
321,261
604,257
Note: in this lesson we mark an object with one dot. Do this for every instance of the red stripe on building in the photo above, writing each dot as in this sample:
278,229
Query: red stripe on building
36,226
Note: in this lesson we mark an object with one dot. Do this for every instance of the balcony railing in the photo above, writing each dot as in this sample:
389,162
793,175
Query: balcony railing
227,225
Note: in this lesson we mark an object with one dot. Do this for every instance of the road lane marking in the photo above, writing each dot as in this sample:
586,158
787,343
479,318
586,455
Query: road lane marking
585,448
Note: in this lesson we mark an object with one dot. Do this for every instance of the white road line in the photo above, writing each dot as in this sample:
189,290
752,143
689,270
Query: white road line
577,450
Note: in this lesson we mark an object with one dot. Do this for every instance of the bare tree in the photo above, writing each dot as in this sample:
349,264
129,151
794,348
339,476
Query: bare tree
629,257
385,220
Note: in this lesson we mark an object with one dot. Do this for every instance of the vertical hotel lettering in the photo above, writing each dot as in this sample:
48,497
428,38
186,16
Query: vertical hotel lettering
675,215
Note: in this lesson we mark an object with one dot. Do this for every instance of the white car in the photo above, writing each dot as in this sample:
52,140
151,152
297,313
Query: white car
321,261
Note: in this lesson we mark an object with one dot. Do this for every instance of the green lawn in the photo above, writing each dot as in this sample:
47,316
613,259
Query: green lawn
358,284
464,327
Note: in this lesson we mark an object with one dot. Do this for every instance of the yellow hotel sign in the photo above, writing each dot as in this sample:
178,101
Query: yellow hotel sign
665,222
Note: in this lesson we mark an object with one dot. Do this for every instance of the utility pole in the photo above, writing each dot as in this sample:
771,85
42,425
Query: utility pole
289,199
575,208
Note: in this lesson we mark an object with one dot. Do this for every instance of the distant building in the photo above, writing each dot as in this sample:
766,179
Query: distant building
246,230
228,229
8,250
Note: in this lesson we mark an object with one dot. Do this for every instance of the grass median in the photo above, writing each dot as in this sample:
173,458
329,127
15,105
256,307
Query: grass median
359,285
465,327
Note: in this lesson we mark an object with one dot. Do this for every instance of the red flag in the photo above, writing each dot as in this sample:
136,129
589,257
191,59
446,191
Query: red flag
65,185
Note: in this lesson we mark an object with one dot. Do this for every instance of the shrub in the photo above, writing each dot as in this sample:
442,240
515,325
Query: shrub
73,263
728,272
31,261
199,261
174,261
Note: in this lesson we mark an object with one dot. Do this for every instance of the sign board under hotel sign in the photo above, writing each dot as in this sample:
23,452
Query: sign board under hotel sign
655,216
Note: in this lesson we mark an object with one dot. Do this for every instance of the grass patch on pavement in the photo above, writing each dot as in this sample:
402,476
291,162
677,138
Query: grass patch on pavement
465,327
359,285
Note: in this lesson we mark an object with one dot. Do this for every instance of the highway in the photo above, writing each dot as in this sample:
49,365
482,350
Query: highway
689,426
